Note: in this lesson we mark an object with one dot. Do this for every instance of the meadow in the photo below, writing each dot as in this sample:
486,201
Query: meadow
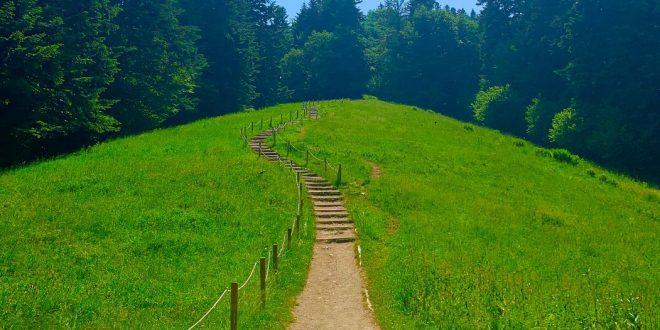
147,231
468,228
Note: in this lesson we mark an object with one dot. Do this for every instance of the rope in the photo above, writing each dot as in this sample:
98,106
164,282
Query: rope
313,156
243,134
282,250
249,277
210,310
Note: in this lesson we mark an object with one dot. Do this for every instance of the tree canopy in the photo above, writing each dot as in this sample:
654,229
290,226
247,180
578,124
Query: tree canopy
579,75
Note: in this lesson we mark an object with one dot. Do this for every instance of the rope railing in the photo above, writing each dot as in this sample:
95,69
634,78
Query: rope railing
277,252
291,147
265,273
210,310
249,277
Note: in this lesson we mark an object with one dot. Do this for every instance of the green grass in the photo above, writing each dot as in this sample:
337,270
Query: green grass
147,231
469,228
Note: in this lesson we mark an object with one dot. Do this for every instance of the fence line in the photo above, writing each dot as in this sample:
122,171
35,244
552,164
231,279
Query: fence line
210,310
244,137
249,277
254,267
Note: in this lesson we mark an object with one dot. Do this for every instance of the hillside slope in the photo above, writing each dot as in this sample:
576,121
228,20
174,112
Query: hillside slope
462,226
147,231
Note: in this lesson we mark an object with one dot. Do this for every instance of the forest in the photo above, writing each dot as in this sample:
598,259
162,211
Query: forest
580,75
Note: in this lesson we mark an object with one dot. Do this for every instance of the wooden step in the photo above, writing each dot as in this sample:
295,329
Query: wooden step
335,227
334,221
331,215
328,204
309,179
321,184
313,191
334,208
335,239
322,188
327,198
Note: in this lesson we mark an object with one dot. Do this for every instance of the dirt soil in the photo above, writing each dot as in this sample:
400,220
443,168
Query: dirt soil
334,294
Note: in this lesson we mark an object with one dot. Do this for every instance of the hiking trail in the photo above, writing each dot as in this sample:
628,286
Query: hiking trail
334,294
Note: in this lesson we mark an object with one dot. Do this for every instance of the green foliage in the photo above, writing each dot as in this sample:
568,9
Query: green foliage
565,126
54,70
486,100
159,65
274,40
426,56
147,231
494,106
329,61
613,73
464,229
595,57
539,118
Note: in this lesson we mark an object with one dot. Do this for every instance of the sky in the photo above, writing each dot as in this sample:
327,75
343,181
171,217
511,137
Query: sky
293,6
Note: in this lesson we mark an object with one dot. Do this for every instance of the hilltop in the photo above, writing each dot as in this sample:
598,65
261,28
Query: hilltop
462,226
458,226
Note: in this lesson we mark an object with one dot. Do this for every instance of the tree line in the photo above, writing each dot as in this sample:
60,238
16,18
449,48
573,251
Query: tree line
581,75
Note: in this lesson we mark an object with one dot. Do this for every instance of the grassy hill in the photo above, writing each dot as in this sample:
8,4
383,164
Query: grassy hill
147,231
464,227
469,228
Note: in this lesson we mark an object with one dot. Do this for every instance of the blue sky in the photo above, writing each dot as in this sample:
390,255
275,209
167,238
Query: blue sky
293,6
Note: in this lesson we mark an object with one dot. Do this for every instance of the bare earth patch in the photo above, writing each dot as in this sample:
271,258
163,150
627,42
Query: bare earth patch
376,170
333,296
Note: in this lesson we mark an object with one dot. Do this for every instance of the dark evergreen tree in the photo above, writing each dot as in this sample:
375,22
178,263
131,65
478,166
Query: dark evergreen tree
54,68
158,61
273,39
614,74
332,51
228,44
429,58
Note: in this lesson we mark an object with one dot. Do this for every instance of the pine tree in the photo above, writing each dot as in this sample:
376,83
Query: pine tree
159,64
55,68
228,44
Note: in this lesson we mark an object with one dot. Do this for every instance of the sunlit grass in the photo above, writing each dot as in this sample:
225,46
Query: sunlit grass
470,228
147,231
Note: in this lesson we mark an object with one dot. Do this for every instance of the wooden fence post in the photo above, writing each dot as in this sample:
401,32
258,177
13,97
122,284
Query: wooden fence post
271,121
262,280
288,237
234,307
252,127
274,137
307,158
339,175
297,225
275,261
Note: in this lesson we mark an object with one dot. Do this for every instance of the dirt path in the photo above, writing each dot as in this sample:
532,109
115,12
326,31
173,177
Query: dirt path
376,171
333,297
